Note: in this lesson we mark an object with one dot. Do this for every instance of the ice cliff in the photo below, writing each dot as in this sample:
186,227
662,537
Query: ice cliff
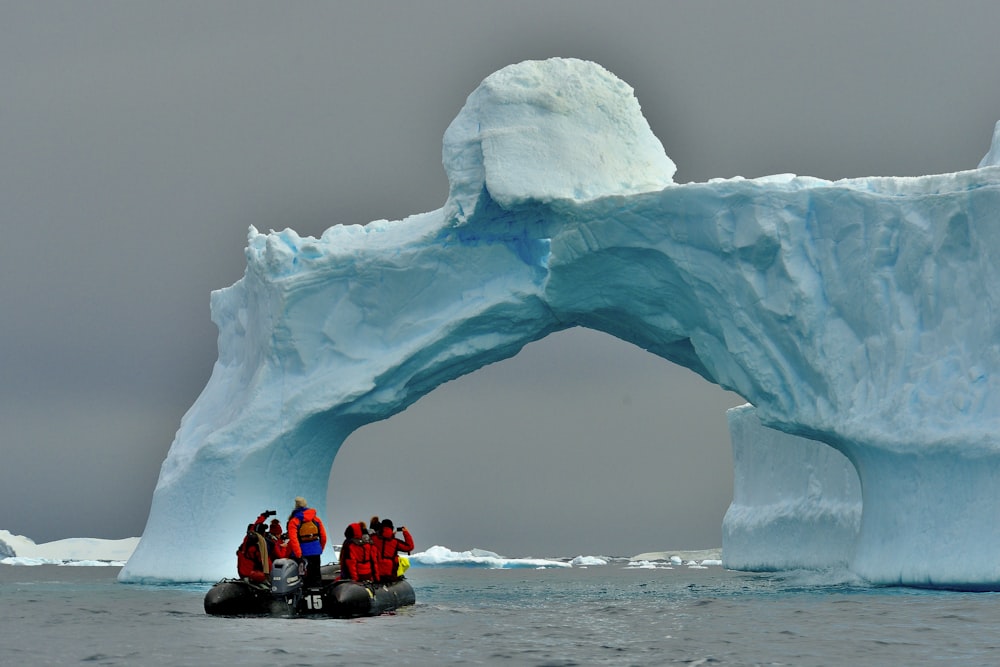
857,313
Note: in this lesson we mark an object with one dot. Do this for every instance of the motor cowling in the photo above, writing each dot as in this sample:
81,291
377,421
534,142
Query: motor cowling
285,576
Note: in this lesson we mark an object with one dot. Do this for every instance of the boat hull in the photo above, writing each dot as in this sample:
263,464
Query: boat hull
337,599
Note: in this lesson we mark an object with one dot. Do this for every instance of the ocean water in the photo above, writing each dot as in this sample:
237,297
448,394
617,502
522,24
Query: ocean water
611,614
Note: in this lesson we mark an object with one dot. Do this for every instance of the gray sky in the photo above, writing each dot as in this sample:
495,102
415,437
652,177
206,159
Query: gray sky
139,140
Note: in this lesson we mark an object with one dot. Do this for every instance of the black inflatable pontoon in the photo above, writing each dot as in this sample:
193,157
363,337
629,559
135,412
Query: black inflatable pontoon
286,596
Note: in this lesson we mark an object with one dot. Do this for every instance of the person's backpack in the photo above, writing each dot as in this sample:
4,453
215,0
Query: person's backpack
308,531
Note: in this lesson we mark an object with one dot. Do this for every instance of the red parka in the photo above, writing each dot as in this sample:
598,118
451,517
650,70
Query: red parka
387,546
254,556
252,561
356,557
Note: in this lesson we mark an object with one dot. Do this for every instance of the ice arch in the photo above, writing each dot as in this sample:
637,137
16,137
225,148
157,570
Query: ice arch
860,313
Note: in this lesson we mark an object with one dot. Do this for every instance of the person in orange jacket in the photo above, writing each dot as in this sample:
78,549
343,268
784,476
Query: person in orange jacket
386,547
356,558
306,540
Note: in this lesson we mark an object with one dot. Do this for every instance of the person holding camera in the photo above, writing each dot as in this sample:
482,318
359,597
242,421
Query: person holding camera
386,547
306,540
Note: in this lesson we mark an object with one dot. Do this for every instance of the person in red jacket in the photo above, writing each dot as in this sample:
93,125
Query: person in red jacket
307,539
279,541
356,558
254,555
386,547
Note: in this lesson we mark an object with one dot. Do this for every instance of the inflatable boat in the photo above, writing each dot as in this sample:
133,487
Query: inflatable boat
286,596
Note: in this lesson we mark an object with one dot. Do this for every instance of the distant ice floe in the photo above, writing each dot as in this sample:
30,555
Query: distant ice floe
14,560
93,552
587,561
77,551
669,559
438,556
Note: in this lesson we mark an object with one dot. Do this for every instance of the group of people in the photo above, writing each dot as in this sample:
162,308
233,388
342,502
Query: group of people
368,553
372,553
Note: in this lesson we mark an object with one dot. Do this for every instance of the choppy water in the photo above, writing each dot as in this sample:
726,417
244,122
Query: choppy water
607,615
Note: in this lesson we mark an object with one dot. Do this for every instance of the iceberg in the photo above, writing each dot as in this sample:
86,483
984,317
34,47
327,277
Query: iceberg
20,550
855,313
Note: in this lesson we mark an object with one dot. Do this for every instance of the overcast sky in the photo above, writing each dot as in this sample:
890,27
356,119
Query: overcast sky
139,140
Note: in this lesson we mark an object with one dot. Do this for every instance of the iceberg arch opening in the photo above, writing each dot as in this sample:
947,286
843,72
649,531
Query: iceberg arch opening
620,408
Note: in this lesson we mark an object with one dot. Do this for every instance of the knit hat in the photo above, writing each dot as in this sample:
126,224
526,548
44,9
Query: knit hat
300,502
276,527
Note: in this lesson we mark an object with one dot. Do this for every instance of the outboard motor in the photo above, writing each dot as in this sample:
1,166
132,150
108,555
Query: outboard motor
285,578
286,587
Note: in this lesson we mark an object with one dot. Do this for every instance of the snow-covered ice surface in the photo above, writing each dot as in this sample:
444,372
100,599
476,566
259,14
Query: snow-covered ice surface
20,550
442,556
858,313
